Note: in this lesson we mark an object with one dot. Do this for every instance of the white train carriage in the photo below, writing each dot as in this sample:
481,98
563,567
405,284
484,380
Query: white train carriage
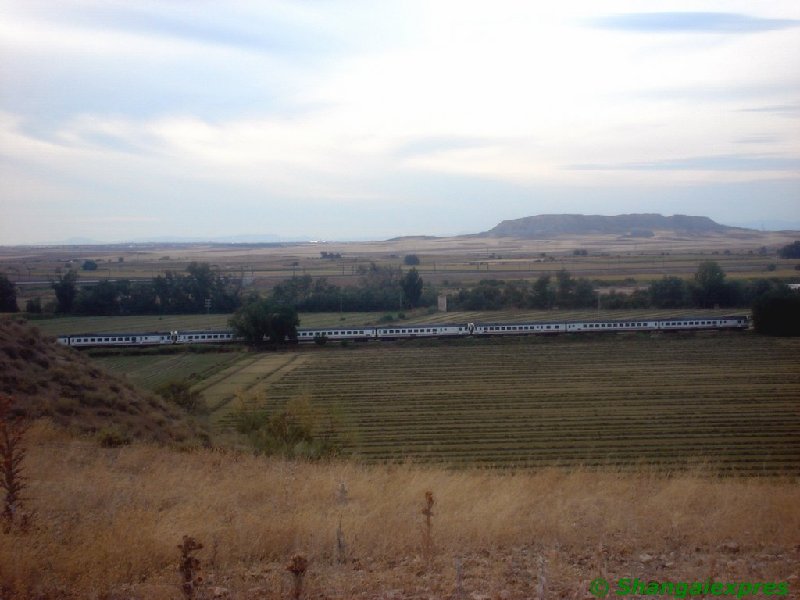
519,328
394,332
690,323
202,337
351,333
114,339
611,326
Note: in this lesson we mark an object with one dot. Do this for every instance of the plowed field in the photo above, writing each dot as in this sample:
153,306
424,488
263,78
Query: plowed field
728,400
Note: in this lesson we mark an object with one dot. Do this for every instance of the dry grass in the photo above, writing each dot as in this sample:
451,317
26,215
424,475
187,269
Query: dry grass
46,379
108,521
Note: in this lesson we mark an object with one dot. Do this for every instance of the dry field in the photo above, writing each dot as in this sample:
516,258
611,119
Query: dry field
445,261
725,400
108,521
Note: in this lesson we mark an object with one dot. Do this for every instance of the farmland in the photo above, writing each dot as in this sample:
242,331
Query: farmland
720,399
448,263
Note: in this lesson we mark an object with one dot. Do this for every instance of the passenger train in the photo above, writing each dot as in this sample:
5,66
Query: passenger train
395,332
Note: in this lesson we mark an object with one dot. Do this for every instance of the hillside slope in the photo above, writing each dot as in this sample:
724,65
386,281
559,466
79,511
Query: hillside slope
633,224
48,380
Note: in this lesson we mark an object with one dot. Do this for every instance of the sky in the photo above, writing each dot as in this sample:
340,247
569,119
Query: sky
357,119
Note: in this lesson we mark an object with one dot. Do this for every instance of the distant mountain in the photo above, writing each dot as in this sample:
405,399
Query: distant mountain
634,225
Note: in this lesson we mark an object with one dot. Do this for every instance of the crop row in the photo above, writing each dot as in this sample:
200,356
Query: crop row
669,400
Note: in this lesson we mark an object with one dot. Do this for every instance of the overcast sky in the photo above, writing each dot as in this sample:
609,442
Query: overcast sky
350,119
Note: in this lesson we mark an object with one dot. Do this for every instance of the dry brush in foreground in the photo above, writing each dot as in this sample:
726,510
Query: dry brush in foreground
108,520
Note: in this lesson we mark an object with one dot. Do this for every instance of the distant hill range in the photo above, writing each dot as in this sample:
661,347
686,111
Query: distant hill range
635,225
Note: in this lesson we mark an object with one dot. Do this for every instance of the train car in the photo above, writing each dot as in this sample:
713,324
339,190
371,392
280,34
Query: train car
611,326
114,339
519,328
395,332
351,333
203,337
690,323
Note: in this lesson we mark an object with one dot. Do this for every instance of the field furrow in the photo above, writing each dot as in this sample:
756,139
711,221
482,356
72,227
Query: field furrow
731,400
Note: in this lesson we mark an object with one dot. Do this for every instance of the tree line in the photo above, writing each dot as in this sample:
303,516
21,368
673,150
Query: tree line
709,288
197,290
378,288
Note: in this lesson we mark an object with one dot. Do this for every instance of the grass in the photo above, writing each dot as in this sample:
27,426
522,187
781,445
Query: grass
728,400
47,379
109,520
150,371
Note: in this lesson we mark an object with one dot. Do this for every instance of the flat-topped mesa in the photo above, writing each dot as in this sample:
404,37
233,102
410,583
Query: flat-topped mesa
633,224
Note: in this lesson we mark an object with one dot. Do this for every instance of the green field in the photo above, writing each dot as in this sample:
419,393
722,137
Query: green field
152,370
726,399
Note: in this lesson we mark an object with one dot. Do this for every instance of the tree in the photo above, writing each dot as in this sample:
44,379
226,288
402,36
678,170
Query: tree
669,292
790,250
8,295
543,294
710,289
777,313
66,290
565,288
411,260
584,295
33,305
262,321
89,265
411,283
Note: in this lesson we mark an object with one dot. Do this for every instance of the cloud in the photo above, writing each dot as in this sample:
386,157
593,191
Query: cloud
691,22
444,143
722,162
787,110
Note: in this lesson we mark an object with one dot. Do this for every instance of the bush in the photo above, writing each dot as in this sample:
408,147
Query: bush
297,431
320,340
777,314
181,394
791,250
111,437
33,306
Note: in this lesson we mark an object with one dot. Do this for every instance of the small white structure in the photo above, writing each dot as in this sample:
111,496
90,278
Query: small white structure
442,303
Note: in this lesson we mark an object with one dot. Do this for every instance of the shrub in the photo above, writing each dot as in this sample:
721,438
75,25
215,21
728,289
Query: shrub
181,394
111,437
33,306
777,314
